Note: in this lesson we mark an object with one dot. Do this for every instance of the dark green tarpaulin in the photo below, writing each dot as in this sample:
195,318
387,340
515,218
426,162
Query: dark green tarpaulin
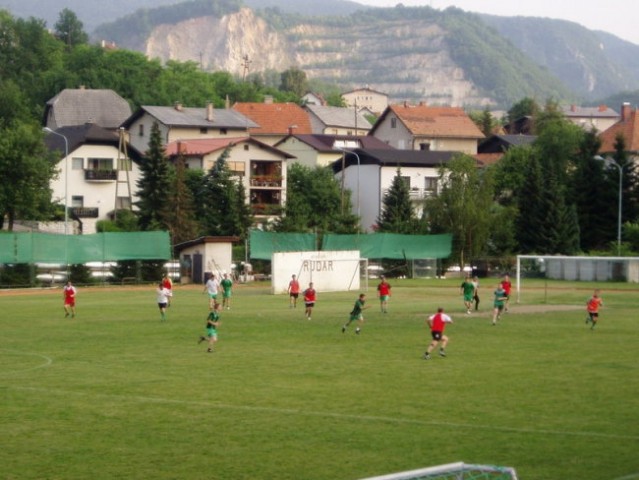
374,245
264,244
392,245
74,249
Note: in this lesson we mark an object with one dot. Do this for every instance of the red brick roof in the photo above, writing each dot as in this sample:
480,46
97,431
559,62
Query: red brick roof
275,118
628,127
424,120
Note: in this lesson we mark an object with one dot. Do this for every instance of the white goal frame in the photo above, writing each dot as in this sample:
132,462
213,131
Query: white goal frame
456,471
581,268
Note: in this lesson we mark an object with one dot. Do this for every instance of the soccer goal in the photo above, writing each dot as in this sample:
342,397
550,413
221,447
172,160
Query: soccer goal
330,271
584,269
454,471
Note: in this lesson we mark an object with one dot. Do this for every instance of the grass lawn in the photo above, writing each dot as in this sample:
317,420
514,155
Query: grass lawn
116,394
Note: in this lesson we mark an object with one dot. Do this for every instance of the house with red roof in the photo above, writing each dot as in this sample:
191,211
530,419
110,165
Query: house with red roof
422,127
260,167
628,127
274,121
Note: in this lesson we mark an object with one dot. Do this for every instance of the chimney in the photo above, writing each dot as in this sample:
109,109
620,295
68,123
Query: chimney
177,106
405,104
625,111
209,112
227,102
291,128
603,108
573,108
268,99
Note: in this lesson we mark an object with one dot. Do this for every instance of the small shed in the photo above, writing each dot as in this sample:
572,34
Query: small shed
203,256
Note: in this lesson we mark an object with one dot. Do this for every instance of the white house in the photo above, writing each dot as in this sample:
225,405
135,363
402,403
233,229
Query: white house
98,175
366,98
368,174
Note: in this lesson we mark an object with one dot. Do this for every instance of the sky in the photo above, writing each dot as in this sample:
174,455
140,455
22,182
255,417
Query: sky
619,17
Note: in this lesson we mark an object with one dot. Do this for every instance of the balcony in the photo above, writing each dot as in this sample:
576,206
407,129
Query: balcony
85,212
101,175
269,181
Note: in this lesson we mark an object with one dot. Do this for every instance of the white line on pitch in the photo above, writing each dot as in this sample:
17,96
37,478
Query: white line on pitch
249,408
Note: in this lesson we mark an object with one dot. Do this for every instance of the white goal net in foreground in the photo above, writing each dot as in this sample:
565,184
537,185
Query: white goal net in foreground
583,269
454,471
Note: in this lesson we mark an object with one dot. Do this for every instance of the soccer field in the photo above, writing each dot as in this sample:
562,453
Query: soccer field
115,393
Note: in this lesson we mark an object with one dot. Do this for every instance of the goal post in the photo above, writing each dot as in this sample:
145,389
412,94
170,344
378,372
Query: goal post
576,268
453,471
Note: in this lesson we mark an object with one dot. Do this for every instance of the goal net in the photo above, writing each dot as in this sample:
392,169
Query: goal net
454,471
575,268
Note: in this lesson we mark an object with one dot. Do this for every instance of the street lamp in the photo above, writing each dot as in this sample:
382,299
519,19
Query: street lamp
66,176
612,161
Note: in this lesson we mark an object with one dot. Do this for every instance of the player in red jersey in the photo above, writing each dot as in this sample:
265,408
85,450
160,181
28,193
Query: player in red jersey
437,323
506,285
68,293
383,292
309,300
592,307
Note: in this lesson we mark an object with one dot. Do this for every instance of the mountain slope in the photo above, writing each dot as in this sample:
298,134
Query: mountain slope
419,53
595,64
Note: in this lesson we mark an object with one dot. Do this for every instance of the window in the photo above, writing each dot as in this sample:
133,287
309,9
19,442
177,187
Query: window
223,131
246,147
204,130
393,122
141,130
77,163
424,146
100,164
77,201
430,184
237,168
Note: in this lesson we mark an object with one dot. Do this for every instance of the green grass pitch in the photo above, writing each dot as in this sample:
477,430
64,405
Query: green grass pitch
117,394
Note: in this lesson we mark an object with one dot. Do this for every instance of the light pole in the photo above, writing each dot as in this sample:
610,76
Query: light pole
612,161
66,176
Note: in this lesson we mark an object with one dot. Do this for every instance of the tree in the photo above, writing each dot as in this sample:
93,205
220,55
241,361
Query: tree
462,207
26,169
313,199
526,107
180,216
294,80
69,29
154,184
593,196
484,121
224,207
398,214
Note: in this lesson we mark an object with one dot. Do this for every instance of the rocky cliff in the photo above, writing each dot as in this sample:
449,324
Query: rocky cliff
405,62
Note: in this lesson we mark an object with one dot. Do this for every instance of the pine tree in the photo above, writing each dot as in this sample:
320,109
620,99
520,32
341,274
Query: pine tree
398,214
180,213
224,202
154,184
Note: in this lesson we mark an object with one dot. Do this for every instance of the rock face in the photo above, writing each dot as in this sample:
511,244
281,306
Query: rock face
404,62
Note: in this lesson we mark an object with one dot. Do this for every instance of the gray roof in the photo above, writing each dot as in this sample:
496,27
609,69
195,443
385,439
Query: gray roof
338,116
194,117
87,134
79,106
395,158
326,142
602,111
